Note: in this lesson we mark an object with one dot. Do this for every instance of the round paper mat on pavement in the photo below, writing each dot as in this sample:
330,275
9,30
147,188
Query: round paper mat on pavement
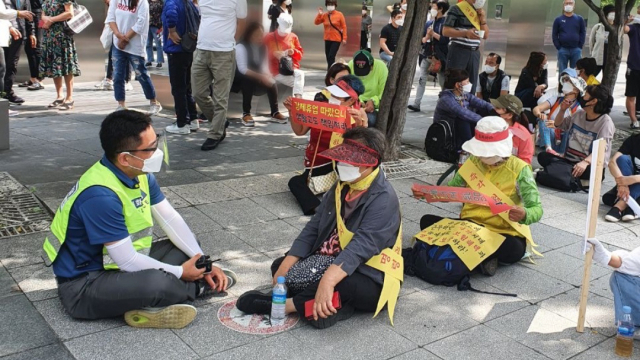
236,320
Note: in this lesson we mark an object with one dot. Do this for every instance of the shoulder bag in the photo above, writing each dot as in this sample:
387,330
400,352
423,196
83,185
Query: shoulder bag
333,26
285,64
189,39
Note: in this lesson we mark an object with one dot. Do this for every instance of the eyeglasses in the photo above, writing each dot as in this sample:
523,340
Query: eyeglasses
150,149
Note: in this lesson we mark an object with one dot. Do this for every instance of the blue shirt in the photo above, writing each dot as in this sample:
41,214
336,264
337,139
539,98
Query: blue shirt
569,32
96,218
633,59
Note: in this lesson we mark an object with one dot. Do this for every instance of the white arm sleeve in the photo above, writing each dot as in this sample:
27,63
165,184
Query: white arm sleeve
176,228
128,260
241,59
630,261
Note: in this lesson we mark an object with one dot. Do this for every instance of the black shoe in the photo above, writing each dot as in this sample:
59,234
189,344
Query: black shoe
254,302
13,98
211,144
413,108
159,65
614,215
489,267
342,314
628,214
148,64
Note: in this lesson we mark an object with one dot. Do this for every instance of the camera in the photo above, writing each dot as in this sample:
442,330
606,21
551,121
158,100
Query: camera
204,263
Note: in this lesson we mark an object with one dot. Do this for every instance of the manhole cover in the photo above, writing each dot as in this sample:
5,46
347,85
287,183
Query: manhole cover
236,320
22,214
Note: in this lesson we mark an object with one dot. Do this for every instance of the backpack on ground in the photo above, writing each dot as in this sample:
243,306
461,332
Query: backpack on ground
558,175
440,143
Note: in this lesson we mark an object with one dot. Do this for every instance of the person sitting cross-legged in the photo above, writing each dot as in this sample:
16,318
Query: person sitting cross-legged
351,246
100,244
625,168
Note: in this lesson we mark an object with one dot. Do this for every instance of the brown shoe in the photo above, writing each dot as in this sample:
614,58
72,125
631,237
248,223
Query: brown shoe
279,118
247,120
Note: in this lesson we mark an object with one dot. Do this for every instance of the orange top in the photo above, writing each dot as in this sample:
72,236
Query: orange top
275,42
337,19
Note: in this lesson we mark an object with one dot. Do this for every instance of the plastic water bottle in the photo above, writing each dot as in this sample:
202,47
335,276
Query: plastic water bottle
278,300
624,339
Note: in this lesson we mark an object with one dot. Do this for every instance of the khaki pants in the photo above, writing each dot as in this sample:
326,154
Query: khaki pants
215,68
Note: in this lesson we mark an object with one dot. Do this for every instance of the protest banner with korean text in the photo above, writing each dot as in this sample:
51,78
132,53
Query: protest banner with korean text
320,115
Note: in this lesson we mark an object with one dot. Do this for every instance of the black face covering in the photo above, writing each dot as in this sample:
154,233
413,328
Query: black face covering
583,102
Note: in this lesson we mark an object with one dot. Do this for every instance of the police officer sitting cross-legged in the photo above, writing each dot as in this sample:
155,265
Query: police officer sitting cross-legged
100,244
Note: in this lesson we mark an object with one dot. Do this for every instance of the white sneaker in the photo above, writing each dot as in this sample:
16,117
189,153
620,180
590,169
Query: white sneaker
635,125
13,113
174,129
108,86
155,108
101,84
194,126
127,86
120,107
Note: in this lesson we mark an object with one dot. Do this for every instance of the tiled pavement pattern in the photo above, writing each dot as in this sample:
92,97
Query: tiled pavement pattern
237,202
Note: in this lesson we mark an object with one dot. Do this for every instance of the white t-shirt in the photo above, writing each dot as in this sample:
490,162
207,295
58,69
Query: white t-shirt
218,25
126,19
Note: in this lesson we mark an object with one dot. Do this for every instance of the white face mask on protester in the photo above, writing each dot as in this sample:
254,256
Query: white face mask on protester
347,172
491,160
567,88
434,13
287,2
331,8
479,4
545,66
364,12
334,101
489,69
611,17
400,22
404,7
152,164
467,88
284,32
568,8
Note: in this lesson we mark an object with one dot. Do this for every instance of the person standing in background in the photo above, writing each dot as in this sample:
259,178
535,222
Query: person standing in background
365,29
633,68
598,38
390,35
33,48
569,34
155,28
12,52
466,28
335,30
275,10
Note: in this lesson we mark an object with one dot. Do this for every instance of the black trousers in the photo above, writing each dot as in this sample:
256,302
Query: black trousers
510,252
110,293
249,88
331,50
11,58
34,54
300,189
180,79
357,291
545,158
364,41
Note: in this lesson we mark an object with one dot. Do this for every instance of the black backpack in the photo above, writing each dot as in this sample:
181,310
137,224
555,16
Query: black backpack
440,143
558,175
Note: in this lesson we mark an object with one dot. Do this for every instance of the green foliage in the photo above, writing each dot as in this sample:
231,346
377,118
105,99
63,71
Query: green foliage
612,2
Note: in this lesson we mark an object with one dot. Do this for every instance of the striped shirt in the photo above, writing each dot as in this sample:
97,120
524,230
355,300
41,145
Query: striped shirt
458,20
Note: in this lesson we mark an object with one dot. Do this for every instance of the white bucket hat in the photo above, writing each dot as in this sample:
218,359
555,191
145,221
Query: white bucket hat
493,138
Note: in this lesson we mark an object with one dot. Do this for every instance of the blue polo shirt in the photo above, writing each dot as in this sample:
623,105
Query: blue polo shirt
96,218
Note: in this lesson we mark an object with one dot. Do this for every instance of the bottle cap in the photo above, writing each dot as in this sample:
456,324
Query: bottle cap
281,280
625,309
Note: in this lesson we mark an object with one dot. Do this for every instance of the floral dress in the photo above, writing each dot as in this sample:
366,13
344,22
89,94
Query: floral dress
59,55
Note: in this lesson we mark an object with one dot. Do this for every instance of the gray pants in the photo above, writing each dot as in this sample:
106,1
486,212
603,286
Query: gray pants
422,83
462,57
217,68
111,293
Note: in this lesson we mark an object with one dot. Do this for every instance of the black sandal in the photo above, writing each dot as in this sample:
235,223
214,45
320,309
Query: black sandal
56,103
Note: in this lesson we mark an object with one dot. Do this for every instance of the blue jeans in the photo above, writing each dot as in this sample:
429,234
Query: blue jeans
625,164
121,61
386,58
548,138
154,36
566,55
625,293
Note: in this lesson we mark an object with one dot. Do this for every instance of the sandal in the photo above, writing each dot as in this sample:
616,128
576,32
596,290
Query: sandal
56,103
35,86
66,105
25,84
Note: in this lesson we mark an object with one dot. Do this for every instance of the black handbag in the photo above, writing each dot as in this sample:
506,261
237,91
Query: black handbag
285,65
558,175
189,39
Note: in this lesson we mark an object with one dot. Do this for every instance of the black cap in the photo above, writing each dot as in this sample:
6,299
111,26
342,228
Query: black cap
362,63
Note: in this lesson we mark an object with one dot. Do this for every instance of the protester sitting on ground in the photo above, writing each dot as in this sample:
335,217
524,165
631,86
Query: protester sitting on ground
335,72
509,107
358,220
285,44
335,30
598,38
390,36
100,242
558,103
625,169
584,127
253,75
373,73
491,158
625,279
455,104
344,91
587,69
533,80
492,82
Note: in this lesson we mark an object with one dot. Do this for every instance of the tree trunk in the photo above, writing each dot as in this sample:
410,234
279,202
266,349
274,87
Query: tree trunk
393,105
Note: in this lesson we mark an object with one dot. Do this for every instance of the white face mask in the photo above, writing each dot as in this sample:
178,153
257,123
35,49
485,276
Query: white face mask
331,8
434,13
467,88
400,22
404,7
284,32
287,2
152,164
479,4
636,19
491,160
545,66
347,172
611,17
335,101
364,12
489,69
567,88
568,8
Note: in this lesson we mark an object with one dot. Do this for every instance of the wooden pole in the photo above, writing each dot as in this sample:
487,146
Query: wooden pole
596,184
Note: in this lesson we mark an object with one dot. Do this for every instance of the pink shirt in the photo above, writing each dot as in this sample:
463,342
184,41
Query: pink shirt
522,142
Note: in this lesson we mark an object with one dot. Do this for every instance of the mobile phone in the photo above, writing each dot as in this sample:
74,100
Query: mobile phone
308,306
204,263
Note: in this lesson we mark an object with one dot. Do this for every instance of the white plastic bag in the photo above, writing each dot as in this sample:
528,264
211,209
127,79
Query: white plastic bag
107,37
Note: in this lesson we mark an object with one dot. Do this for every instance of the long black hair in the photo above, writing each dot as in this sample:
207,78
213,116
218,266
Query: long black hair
133,4
534,64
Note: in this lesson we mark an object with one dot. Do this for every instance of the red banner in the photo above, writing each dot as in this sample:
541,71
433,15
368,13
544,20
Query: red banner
455,194
320,115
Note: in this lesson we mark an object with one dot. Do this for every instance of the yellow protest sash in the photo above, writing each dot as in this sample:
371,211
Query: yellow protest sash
487,187
470,12
389,261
